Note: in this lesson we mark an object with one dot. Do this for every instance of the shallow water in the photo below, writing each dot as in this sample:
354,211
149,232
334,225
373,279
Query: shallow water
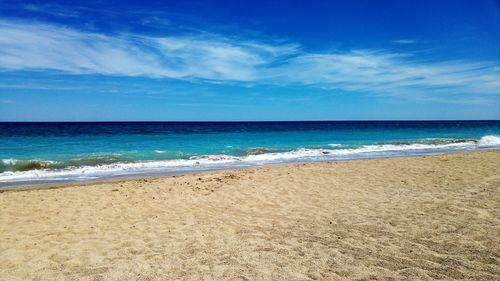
47,152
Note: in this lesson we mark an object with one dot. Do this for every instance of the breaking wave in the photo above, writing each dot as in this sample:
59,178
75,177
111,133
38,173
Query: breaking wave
95,167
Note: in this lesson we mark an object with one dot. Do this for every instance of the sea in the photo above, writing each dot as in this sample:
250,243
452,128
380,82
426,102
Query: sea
59,152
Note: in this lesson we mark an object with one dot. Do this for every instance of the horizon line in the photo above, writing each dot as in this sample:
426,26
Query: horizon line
251,121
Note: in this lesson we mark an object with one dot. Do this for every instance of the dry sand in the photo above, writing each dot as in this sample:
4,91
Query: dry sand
417,218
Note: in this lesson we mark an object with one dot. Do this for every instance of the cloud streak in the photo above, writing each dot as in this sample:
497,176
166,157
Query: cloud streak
391,74
404,41
29,46
51,9
218,59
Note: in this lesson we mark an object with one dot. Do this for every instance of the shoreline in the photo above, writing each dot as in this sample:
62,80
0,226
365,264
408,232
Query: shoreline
122,178
417,218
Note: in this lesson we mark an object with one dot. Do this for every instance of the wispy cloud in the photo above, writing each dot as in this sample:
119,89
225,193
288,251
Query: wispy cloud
219,59
51,9
29,46
404,41
391,74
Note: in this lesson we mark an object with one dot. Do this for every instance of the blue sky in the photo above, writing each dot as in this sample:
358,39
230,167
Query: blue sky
249,60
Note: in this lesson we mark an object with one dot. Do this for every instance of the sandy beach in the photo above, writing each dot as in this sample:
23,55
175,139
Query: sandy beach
421,218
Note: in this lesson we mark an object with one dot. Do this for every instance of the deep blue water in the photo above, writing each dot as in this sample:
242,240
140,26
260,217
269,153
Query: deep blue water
33,152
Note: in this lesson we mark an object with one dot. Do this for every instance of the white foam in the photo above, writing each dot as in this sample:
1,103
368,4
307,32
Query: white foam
488,141
9,161
221,158
116,169
334,145
209,162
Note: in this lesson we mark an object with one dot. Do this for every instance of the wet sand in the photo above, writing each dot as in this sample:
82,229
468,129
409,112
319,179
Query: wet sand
419,218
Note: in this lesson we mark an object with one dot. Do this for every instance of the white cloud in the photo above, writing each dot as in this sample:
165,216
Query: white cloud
220,59
390,74
404,41
29,46
51,9
49,47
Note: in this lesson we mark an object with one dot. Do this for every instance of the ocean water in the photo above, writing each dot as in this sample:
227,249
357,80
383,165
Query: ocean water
35,153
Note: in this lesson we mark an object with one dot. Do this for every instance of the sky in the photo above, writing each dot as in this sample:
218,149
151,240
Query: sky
249,60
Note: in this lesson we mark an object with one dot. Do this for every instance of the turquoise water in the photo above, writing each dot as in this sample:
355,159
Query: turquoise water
45,152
